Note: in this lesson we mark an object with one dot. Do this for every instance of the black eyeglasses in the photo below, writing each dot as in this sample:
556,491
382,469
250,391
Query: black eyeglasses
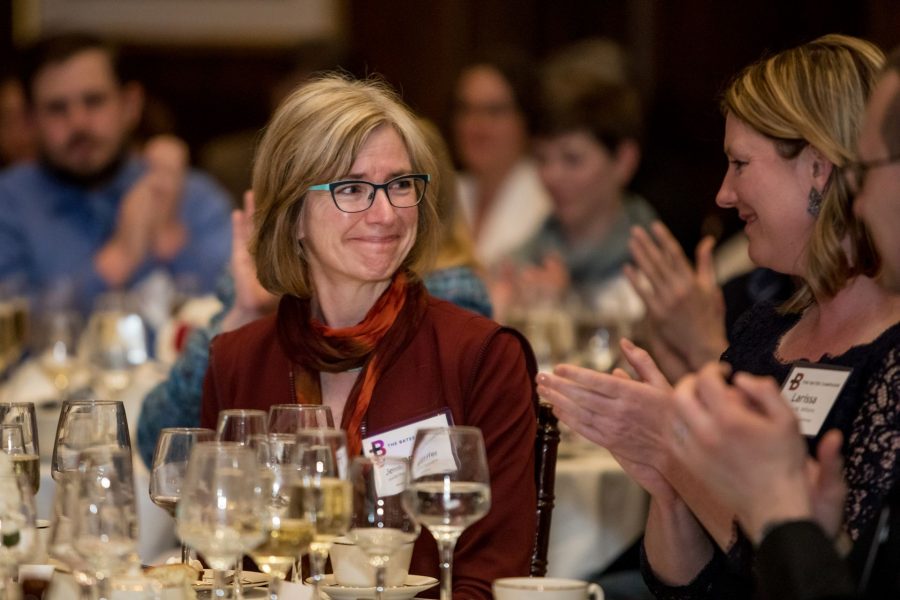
854,173
356,195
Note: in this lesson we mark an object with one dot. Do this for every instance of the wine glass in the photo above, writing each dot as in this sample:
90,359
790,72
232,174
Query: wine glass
25,464
57,353
322,459
290,418
170,459
238,424
115,343
380,524
84,424
105,533
449,488
22,414
289,531
221,511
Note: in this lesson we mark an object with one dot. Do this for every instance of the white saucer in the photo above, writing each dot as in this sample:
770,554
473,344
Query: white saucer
249,579
414,584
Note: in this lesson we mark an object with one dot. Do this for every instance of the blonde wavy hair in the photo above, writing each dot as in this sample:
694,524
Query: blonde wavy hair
313,138
815,94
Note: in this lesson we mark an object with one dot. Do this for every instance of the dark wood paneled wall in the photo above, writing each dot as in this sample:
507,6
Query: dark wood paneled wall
684,51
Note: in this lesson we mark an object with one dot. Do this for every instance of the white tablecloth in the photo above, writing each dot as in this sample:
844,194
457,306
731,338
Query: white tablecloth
599,513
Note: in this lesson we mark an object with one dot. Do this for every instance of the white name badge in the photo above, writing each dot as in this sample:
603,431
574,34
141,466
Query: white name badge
812,390
398,441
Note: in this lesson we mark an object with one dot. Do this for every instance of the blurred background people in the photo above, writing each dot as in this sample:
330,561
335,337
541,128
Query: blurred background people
501,195
17,140
88,215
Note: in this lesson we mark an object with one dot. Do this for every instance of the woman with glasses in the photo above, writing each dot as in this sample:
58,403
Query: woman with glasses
345,186
791,124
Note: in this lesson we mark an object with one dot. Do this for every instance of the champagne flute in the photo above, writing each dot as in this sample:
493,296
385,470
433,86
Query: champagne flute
449,488
290,418
380,524
322,459
25,464
170,459
221,510
105,529
289,531
84,424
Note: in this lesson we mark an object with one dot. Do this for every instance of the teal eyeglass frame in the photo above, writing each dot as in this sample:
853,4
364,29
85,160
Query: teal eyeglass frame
330,187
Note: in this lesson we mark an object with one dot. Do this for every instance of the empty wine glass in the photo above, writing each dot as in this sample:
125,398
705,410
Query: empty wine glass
322,460
105,528
290,418
25,464
288,528
380,525
85,424
449,488
221,511
170,459
238,424
57,348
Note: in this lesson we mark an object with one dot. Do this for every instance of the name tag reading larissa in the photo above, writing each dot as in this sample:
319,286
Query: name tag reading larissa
812,390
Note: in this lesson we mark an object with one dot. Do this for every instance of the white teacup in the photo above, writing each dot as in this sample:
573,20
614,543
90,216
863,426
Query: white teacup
352,569
545,588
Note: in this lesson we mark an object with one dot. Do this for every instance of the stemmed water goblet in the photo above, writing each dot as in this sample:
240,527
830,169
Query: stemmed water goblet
288,528
105,534
290,418
449,488
322,460
238,424
115,343
222,510
381,524
85,424
170,459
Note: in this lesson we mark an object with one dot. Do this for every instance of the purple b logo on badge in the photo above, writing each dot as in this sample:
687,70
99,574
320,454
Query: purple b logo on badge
795,382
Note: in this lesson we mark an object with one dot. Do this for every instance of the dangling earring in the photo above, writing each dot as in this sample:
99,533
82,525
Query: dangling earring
815,202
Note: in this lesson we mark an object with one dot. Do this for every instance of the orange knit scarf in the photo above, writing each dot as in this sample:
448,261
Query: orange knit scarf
372,344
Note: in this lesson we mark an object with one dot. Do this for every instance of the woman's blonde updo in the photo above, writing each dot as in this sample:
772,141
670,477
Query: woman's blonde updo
816,95
313,138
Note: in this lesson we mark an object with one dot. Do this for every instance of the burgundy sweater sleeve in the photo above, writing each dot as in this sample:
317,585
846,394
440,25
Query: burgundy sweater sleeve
501,405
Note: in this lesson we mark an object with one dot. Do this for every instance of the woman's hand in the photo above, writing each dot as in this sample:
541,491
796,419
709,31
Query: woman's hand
251,300
684,306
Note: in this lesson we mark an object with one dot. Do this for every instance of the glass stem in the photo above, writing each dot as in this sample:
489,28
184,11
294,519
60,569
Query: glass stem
220,588
380,571
445,550
237,577
275,587
185,554
104,589
317,557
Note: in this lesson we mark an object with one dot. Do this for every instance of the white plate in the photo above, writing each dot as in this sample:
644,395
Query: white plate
414,584
250,579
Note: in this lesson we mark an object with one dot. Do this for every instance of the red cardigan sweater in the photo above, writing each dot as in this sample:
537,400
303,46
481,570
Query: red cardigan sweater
456,359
